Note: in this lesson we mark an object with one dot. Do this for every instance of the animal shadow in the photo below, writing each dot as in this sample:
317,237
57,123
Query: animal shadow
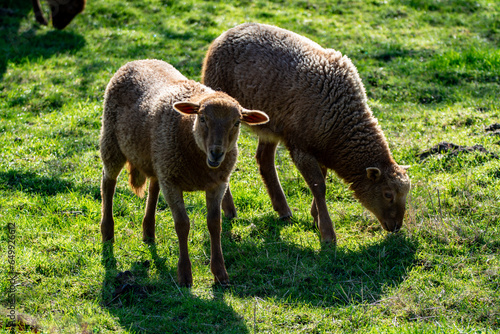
286,269
32,183
156,304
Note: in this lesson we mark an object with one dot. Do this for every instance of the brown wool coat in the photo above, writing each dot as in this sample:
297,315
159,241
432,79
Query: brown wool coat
318,109
182,136
158,141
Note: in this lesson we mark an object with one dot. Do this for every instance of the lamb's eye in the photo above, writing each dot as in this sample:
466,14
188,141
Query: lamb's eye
202,119
237,123
388,195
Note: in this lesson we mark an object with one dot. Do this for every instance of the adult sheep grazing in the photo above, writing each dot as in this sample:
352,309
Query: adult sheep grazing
318,108
182,136
62,12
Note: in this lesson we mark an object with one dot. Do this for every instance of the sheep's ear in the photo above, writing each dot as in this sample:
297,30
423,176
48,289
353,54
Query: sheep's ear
254,117
373,173
405,167
187,108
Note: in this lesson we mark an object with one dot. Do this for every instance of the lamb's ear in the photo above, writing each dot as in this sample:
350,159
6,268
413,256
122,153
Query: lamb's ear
254,117
405,167
187,108
373,173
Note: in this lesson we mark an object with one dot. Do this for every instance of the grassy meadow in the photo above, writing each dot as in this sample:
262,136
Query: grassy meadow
431,69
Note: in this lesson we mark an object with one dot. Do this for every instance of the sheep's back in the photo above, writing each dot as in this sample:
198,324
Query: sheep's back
311,94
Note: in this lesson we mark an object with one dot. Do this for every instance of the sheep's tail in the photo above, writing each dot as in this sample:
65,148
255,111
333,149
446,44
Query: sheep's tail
136,179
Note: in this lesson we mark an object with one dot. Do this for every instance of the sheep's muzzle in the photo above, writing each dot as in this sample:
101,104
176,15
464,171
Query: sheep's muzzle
392,225
215,157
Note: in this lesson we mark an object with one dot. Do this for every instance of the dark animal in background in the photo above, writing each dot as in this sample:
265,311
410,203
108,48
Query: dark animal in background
61,11
318,109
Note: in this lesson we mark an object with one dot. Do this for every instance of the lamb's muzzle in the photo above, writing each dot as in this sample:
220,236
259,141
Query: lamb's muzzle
215,156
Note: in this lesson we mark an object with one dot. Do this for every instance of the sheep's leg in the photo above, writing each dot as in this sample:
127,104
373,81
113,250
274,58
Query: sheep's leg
312,173
113,161
37,8
265,159
314,209
214,198
148,223
175,201
107,192
108,185
228,205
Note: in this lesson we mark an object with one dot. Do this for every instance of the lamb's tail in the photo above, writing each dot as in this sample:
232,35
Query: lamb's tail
136,179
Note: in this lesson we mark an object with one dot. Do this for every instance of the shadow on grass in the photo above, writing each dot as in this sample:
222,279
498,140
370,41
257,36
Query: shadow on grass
263,265
288,271
147,304
32,183
17,47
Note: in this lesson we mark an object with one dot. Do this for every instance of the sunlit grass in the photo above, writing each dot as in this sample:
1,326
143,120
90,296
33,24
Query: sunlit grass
431,70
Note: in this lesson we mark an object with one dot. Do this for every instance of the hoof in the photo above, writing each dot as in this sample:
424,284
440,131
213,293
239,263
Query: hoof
110,239
185,277
286,218
328,246
107,229
230,214
226,284
222,282
221,277
329,241
186,282
149,240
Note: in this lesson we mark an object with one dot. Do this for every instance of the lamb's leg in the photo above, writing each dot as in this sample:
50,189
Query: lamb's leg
175,201
228,205
265,159
314,209
107,192
108,185
214,198
37,8
312,173
148,223
113,161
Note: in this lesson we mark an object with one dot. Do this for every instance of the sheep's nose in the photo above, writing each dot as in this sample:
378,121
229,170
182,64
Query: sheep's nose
216,154
392,225
215,157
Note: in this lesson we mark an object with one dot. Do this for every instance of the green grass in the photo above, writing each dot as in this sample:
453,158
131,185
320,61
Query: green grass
431,70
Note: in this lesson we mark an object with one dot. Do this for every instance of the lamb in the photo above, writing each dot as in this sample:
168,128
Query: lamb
182,136
61,11
318,109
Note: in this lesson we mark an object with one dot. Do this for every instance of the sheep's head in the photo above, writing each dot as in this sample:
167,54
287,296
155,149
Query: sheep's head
217,124
63,11
384,193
